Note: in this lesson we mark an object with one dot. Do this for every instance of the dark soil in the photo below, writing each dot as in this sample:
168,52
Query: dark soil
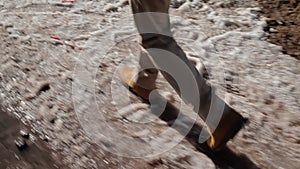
283,24
21,149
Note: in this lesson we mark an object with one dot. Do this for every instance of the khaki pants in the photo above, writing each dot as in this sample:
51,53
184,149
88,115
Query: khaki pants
160,37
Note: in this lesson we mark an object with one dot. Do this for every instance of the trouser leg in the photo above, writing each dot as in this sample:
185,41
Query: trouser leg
153,23
160,24
148,72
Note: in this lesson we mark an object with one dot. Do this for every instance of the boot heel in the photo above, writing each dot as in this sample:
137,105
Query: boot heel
230,124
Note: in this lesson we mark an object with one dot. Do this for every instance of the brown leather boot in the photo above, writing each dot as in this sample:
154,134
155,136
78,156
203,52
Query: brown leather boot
141,83
229,125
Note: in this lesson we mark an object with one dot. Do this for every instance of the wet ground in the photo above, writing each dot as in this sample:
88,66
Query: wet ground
57,59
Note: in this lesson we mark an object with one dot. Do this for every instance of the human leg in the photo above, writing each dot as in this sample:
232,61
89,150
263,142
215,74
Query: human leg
153,24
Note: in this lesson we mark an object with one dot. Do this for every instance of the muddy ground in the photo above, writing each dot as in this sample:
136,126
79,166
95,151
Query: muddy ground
20,148
57,78
283,24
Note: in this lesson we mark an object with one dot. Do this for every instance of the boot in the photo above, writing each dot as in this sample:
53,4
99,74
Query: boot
229,125
141,83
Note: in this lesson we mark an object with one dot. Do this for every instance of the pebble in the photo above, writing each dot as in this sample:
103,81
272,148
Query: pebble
185,7
82,37
98,32
14,36
123,3
21,144
110,8
24,134
272,30
64,4
177,3
45,138
56,42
